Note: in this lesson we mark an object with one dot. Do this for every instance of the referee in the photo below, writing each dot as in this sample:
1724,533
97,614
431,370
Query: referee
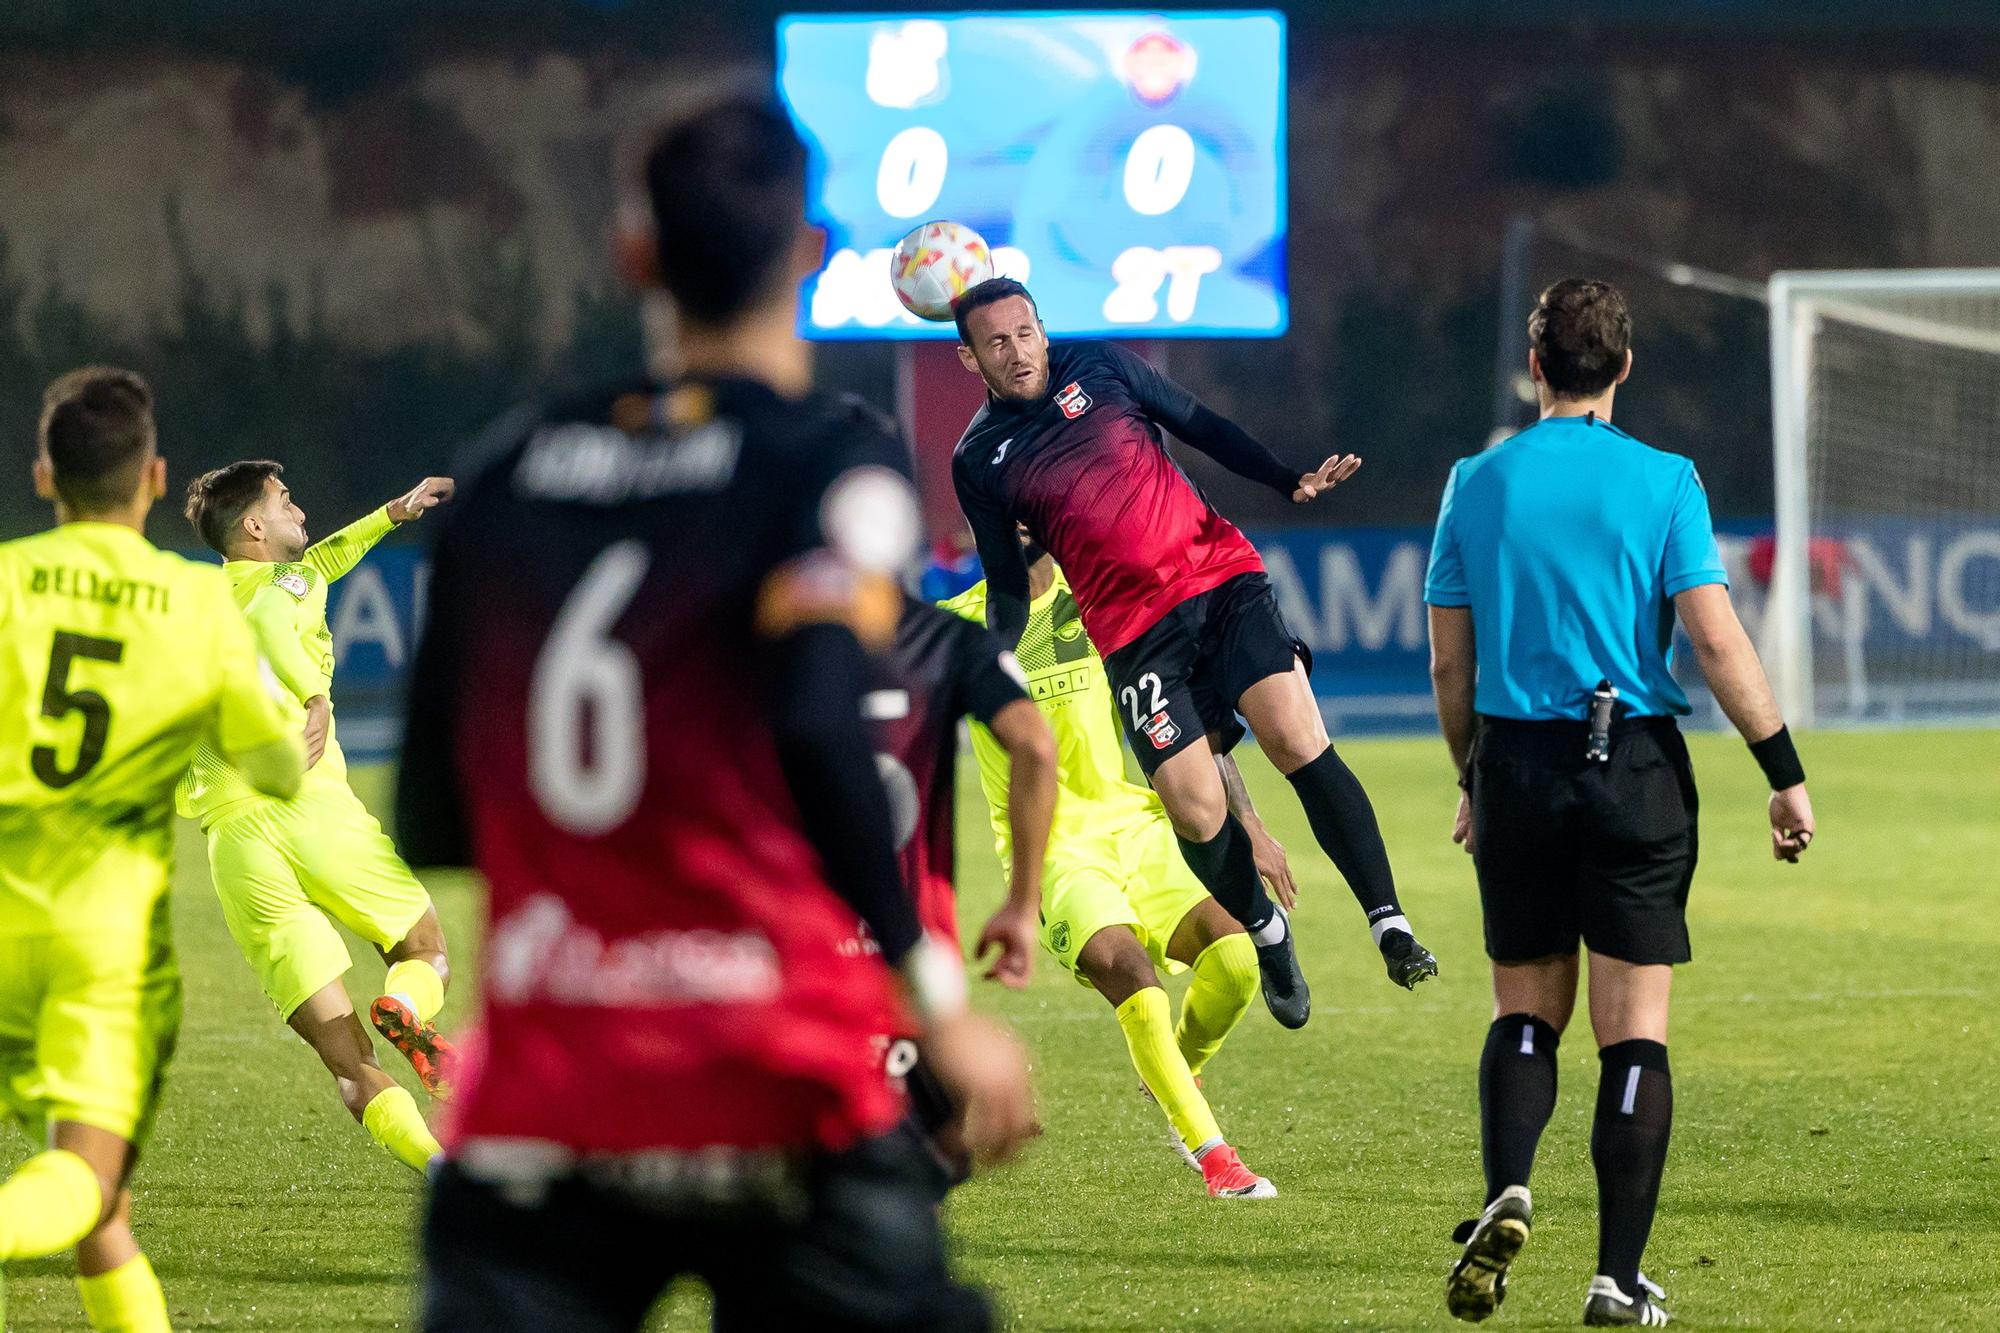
1561,558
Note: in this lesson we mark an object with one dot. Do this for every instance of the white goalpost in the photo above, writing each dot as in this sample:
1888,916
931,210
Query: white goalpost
1884,601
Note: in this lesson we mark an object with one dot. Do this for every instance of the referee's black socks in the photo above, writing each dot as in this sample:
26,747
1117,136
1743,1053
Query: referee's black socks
1227,868
1343,822
1628,1145
1517,1094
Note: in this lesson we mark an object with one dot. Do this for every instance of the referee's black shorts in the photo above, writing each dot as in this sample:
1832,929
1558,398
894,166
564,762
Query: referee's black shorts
1569,849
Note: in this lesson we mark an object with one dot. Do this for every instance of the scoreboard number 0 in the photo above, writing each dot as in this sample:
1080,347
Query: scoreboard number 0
1158,169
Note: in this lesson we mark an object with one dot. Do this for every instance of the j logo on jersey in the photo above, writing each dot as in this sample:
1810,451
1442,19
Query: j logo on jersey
1160,730
1073,401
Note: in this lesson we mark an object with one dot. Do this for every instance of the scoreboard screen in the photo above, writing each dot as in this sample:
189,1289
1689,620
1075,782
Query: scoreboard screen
1128,167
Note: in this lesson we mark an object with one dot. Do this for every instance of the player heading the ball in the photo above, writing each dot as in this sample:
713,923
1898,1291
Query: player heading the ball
1069,443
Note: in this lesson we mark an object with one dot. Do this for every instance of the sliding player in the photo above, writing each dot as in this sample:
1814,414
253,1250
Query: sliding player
117,659
1120,903
282,869
1069,443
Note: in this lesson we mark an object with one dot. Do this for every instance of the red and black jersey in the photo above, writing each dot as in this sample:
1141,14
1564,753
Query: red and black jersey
941,668
1086,469
592,723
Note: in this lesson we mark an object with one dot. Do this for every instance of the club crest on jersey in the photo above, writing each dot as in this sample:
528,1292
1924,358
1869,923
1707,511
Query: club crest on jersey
1073,401
1161,730
293,583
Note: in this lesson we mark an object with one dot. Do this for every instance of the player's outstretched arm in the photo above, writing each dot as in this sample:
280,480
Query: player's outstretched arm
334,556
1730,665
1453,679
1031,807
1174,407
1265,850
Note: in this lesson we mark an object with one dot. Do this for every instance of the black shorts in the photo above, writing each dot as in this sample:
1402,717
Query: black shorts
1569,849
855,1247
1180,680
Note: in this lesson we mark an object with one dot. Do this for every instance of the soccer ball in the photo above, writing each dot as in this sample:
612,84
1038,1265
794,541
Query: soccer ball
935,264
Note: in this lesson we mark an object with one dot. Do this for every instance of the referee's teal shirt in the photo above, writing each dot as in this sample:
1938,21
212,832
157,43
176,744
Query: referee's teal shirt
1569,542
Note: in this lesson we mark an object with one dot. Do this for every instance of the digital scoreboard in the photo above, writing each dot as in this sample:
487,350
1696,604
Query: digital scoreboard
1128,167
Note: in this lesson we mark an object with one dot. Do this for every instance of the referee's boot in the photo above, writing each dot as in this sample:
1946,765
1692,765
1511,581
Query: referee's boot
1408,961
1608,1306
1285,991
1478,1281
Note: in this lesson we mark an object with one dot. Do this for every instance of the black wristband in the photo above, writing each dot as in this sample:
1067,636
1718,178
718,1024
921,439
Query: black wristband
1778,758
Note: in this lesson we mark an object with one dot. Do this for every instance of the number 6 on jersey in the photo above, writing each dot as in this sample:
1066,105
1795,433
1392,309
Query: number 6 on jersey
589,782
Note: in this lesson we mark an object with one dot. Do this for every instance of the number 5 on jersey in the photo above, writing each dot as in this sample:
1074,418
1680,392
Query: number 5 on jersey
59,701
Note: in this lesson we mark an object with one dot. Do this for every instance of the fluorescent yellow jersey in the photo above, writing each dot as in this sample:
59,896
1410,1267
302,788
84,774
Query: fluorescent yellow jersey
286,606
117,660
1095,802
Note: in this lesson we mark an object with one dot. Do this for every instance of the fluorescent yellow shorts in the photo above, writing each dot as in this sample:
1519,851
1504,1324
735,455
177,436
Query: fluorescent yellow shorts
1139,880
282,868
89,1012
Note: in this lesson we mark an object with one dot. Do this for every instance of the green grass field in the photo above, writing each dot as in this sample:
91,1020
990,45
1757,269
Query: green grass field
1833,1047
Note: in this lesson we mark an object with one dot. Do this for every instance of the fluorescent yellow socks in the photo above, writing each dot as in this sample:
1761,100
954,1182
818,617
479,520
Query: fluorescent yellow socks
393,1120
1224,985
51,1202
1147,1020
128,1299
417,983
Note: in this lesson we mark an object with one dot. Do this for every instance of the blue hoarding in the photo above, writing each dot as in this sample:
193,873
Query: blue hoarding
1909,632
1129,167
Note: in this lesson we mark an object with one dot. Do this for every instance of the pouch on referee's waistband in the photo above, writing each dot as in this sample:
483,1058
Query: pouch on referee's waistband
1605,708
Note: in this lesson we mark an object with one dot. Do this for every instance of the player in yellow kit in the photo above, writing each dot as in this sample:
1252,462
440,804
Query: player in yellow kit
1118,901
115,660
282,869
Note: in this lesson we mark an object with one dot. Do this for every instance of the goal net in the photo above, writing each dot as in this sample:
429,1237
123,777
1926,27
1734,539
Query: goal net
1884,575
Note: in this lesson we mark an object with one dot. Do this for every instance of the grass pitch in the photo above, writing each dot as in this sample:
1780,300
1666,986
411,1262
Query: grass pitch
1833,1047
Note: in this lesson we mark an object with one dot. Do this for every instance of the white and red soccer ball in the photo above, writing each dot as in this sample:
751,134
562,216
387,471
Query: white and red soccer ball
935,265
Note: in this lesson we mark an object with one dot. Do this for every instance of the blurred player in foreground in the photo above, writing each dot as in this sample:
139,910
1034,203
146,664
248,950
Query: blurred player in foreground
281,869
637,708
117,659
1069,443
940,669
1119,902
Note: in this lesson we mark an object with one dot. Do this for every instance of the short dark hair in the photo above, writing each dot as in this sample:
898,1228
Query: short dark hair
98,434
727,185
218,500
1581,331
986,293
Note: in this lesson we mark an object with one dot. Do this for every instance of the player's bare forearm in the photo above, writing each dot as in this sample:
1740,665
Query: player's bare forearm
1729,661
1236,790
319,723
1031,797
1453,677
426,495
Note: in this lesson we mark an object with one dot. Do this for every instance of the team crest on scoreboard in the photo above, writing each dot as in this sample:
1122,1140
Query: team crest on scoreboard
1161,730
1073,401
